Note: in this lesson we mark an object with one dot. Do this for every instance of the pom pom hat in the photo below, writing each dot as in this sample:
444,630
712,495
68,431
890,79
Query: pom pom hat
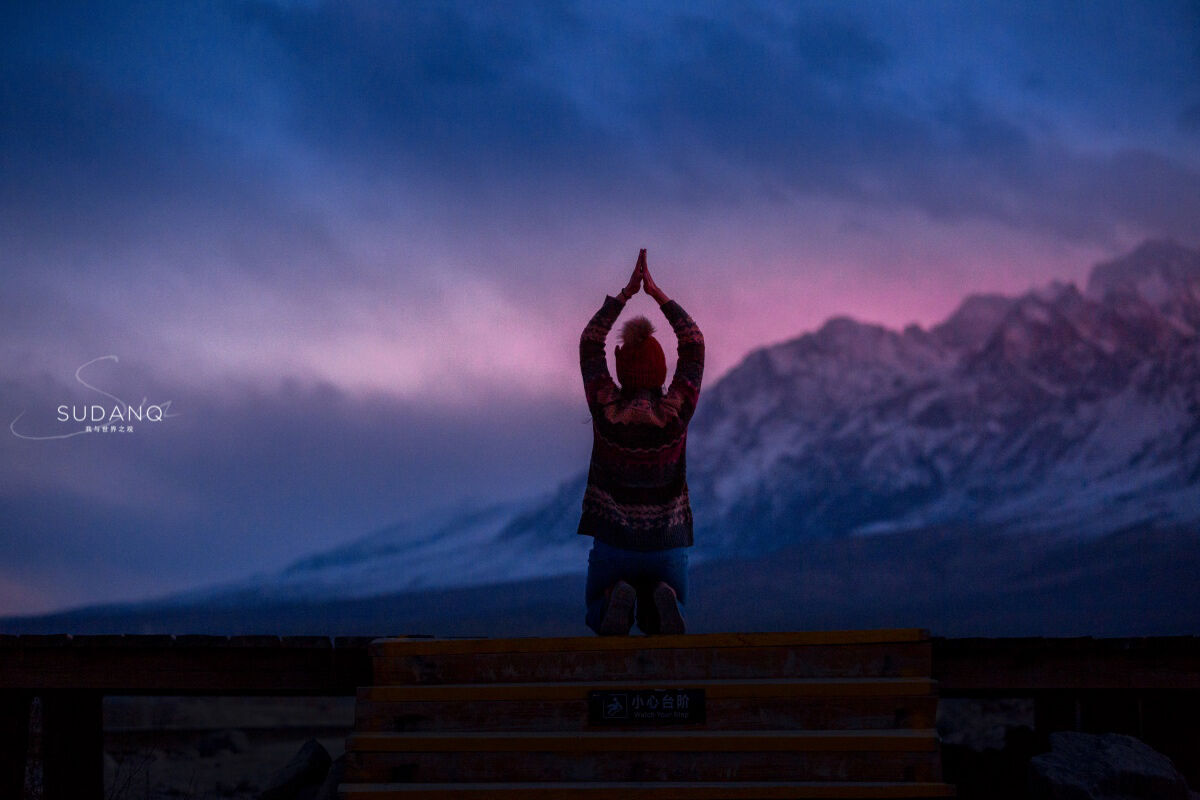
641,363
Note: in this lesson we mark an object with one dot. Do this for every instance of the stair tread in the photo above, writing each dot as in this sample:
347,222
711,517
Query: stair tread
693,740
693,790
392,647
853,672
726,687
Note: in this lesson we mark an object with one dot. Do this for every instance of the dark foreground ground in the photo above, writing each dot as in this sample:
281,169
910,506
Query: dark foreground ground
1126,584
953,584
227,748
203,748
210,748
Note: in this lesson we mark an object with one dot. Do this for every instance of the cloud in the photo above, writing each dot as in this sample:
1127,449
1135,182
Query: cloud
1189,119
749,108
98,178
247,478
355,241
543,115
453,87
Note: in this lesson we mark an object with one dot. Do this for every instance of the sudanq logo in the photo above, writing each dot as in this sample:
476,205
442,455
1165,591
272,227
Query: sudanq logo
116,416
98,413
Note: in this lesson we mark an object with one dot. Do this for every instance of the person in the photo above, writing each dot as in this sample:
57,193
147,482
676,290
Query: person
636,506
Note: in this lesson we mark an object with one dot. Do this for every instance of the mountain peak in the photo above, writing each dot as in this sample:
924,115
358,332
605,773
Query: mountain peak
973,321
863,342
850,335
1158,270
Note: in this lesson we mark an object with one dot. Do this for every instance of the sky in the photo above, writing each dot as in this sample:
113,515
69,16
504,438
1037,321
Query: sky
349,247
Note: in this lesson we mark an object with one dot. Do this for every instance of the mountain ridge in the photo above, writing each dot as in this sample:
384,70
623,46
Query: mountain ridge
1005,388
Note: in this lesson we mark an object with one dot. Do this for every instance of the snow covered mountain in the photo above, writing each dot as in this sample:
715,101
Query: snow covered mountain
1062,411
1059,410
454,547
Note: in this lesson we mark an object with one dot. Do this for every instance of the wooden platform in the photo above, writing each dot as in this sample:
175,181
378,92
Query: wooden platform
817,714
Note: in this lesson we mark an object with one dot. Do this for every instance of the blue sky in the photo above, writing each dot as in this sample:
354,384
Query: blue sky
354,243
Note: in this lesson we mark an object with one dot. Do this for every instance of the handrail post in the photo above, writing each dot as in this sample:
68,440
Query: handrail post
14,741
72,745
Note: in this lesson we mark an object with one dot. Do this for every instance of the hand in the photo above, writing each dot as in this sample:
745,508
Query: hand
635,279
649,284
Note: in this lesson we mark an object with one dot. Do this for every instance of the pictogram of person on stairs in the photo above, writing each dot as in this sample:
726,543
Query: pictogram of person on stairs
636,505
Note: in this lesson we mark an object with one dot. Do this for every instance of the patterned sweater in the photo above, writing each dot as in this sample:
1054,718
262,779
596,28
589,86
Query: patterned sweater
637,494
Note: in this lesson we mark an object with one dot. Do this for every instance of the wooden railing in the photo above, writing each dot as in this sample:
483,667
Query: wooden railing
72,674
1148,687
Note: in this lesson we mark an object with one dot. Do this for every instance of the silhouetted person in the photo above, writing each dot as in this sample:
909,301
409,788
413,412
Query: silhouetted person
636,505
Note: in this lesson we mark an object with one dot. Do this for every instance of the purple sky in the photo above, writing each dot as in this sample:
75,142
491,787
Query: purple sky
354,243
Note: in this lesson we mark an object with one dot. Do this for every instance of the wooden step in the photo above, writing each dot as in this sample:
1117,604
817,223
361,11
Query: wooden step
894,755
779,704
647,741
653,790
815,714
404,645
812,654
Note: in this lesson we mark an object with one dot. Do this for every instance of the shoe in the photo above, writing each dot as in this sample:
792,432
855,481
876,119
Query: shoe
670,620
618,617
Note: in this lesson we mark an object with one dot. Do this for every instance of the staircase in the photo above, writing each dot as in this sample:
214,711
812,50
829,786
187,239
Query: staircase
823,714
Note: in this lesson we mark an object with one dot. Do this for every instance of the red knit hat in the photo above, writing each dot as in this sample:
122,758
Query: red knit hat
640,360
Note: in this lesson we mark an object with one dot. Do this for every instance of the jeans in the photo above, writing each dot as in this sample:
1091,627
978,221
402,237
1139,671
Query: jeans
643,570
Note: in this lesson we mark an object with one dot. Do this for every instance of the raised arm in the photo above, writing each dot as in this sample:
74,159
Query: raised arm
684,391
598,384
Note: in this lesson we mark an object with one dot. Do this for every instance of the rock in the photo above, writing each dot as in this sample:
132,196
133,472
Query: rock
306,769
111,768
980,724
337,772
1112,766
231,740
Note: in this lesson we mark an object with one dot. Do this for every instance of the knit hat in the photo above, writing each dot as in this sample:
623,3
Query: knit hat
640,360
